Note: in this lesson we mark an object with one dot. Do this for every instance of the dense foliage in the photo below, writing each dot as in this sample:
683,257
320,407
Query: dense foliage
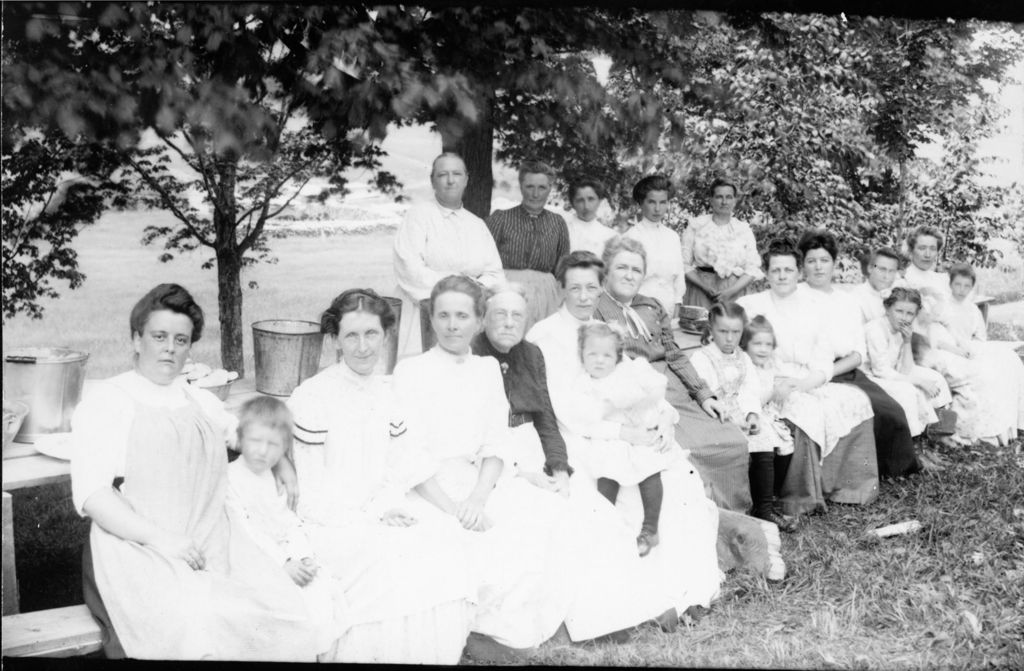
819,118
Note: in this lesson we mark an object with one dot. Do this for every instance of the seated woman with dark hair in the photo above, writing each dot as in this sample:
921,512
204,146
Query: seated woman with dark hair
841,320
166,566
719,251
457,401
407,581
834,446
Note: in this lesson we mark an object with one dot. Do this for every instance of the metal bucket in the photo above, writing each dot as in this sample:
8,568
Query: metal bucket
426,329
389,354
287,351
49,380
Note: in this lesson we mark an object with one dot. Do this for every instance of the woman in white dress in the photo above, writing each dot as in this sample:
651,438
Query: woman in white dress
165,557
982,380
719,251
458,401
834,447
586,230
406,580
999,365
665,280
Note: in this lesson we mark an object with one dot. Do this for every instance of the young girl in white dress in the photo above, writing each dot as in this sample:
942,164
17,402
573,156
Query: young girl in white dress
618,390
253,502
891,360
999,366
731,374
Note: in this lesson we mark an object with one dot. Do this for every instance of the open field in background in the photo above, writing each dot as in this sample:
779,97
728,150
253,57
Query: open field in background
311,269
309,273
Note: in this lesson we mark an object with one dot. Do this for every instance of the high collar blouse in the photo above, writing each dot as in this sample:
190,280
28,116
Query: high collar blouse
801,339
665,279
529,241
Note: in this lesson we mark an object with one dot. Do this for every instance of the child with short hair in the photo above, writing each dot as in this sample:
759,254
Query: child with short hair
891,358
731,375
1000,370
264,437
619,402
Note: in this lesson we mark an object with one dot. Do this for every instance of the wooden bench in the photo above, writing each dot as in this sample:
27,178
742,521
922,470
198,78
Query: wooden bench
58,632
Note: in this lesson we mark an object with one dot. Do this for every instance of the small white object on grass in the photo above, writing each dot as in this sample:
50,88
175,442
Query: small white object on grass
910,526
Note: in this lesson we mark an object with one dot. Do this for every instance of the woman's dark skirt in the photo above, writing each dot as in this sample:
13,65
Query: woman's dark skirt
893,443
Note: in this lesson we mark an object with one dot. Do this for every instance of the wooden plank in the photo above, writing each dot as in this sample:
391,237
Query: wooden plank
10,584
34,470
58,632
983,302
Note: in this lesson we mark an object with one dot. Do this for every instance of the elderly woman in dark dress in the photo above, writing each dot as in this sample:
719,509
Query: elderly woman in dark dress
718,449
614,588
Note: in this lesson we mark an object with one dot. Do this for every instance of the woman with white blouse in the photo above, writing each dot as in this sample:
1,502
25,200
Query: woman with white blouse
834,447
407,581
586,231
666,277
845,330
150,470
457,400
719,251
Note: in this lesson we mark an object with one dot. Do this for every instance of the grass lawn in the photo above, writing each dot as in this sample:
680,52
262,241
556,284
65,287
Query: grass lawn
310,271
950,596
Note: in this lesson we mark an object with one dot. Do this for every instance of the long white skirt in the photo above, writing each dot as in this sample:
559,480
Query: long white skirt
162,609
685,563
522,599
1000,381
612,587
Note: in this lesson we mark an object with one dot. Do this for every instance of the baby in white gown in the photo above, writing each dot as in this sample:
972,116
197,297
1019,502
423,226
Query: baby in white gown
620,401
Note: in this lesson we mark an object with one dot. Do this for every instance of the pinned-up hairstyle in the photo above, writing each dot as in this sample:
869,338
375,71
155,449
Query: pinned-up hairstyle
652,183
535,167
720,310
781,247
962,270
818,238
930,231
461,284
173,297
903,294
599,329
356,300
579,258
759,324
720,182
883,252
268,411
620,243
586,182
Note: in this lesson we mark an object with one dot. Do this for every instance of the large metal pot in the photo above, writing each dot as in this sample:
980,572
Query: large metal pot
287,351
49,380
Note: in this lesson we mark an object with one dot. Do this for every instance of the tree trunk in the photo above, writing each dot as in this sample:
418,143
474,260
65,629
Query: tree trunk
229,305
229,270
475,144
